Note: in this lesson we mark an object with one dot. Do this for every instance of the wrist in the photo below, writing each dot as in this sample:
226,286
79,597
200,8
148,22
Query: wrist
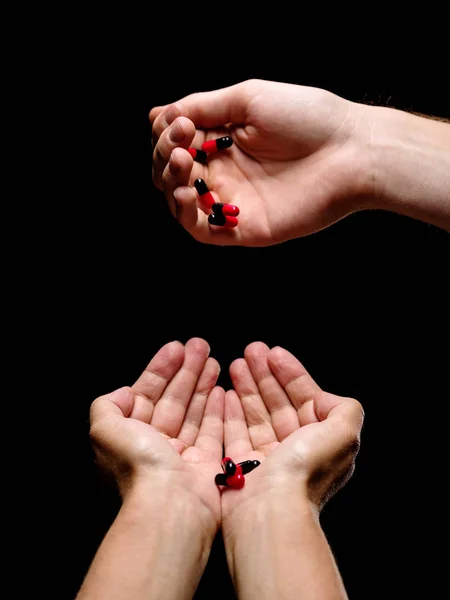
410,164
269,515
279,550
157,547
166,501
351,164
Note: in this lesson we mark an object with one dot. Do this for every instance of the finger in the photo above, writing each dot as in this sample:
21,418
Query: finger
170,410
210,435
162,117
330,406
194,219
256,414
283,415
296,381
236,436
194,414
340,432
154,112
120,402
154,380
177,173
179,134
344,421
188,214
106,413
216,108
219,236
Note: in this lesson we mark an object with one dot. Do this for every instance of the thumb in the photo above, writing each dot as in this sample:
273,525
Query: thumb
213,109
120,402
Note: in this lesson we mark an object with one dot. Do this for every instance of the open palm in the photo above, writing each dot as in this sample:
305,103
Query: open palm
169,424
305,438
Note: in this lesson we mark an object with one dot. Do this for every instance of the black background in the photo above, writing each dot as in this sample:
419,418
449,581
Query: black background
363,304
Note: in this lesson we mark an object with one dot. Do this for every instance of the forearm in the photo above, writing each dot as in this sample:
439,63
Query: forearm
411,165
153,550
280,551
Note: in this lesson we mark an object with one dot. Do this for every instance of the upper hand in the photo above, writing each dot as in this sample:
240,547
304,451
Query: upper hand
298,162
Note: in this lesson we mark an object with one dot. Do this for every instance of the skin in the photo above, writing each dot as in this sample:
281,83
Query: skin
162,439
307,441
302,159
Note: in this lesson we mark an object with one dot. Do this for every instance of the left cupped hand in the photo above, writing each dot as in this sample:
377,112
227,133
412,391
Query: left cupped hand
167,429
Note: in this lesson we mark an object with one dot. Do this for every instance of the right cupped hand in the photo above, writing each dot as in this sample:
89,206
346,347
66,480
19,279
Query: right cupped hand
306,439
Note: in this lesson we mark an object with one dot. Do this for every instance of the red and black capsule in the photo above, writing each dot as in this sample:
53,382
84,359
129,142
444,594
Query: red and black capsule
248,465
217,144
203,191
229,210
222,220
233,475
198,155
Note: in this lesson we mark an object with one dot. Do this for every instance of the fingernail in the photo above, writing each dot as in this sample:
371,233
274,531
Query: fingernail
176,134
171,115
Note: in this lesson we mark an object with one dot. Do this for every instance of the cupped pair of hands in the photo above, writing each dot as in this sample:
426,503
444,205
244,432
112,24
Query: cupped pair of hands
175,424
